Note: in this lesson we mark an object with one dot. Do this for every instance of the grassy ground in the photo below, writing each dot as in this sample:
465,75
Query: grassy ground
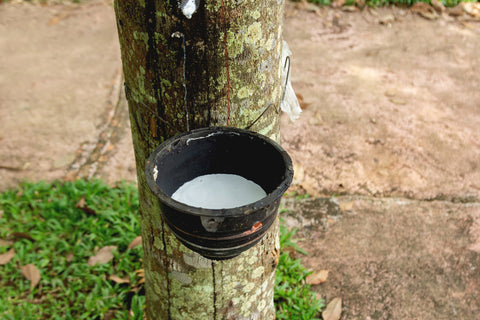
380,3
68,251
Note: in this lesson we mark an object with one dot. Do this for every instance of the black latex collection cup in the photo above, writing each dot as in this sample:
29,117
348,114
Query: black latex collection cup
219,233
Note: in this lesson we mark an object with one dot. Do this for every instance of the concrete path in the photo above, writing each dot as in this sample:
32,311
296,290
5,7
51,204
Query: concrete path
391,130
60,81
388,146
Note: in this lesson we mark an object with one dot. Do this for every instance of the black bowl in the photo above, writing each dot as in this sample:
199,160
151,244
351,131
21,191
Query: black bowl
219,233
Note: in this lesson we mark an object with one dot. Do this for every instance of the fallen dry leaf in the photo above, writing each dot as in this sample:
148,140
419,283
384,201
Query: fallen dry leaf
58,17
109,315
22,235
425,10
353,8
5,243
70,176
7,256
31,272
456,11
438,5
69,256
141,274
317,277
392,92
387,19
135,242
301,101
117,279
302,5
81,204
398,101
333,311
103,255
53,21
138,285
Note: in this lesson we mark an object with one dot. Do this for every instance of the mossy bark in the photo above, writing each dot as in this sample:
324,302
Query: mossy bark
221,67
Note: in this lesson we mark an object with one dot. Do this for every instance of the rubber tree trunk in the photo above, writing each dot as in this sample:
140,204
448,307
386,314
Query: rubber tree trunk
220,67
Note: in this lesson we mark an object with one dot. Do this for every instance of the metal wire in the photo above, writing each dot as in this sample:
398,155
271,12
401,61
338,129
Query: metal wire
287,60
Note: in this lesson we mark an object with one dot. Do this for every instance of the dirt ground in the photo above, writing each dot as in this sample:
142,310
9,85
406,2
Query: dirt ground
392,129
388,146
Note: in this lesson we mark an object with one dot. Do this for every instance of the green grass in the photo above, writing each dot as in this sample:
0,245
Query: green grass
293,297
50,226
61,232
380,3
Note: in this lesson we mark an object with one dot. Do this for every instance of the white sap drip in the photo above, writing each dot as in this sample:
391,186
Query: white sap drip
219,191
188,8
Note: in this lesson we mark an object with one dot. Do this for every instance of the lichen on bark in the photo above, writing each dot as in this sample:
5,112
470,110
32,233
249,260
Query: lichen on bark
226,61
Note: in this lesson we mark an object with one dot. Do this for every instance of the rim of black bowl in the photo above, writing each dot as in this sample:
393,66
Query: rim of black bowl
230,212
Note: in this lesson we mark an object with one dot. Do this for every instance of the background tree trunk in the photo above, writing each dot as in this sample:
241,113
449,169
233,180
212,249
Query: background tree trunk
221,67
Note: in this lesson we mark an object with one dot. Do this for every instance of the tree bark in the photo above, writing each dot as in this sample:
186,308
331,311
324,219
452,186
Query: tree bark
221,67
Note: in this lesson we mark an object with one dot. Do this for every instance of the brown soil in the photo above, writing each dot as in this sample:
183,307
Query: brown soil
388,145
